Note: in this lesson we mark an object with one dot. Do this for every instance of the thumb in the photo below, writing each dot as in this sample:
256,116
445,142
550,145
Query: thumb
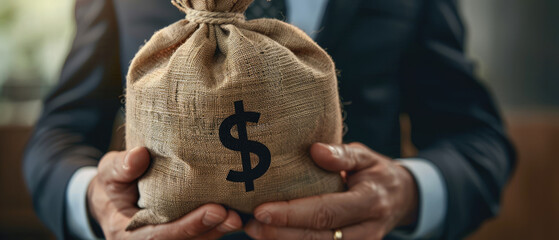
327,156
130,167
342,157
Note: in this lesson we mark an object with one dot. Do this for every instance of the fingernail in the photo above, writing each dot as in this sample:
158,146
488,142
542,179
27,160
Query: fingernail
226,227
126,163
211,219
333,150
264,217
253,229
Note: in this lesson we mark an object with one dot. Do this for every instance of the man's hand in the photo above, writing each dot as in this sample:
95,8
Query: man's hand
381,196
112,197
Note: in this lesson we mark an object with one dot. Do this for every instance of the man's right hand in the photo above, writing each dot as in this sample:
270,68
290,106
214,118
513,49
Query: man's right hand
112,197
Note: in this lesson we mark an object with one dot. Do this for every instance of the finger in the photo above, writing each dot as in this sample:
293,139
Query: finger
130,167
231,224
364,230
320,212
194,224
345,157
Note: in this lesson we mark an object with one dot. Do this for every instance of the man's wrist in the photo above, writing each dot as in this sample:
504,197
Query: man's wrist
432,194
77,216
411,198
93,223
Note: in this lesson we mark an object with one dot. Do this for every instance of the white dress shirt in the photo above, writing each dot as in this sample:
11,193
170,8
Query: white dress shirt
307,15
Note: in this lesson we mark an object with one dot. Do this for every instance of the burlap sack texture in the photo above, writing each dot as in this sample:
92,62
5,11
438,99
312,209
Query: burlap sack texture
188,81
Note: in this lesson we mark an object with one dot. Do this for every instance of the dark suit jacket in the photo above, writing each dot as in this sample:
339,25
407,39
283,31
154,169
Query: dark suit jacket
394,56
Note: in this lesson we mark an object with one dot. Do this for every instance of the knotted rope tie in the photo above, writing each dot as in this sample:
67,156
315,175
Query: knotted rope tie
199,16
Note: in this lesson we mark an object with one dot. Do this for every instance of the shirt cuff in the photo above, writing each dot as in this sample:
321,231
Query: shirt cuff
432,199
77,219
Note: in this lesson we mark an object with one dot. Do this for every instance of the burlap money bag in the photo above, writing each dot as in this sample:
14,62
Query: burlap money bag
228,109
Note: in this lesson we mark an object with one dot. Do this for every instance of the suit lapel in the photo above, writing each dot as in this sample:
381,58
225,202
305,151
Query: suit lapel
337,17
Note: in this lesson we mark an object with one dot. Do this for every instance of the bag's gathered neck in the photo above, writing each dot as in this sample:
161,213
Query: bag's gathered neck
213,11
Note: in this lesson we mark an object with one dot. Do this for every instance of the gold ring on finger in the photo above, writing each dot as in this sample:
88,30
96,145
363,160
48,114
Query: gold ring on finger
338,234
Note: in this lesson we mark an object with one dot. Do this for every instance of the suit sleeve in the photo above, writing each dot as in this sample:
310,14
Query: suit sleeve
74,129
455,123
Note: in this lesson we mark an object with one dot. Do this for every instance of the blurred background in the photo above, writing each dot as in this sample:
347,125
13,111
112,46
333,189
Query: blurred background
514,42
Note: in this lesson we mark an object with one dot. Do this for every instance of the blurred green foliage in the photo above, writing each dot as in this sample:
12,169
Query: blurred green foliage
34,39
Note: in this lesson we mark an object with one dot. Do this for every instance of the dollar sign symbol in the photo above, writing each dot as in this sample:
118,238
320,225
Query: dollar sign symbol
245,146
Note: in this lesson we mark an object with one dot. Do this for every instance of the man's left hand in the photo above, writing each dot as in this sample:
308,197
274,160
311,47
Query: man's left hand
382,195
